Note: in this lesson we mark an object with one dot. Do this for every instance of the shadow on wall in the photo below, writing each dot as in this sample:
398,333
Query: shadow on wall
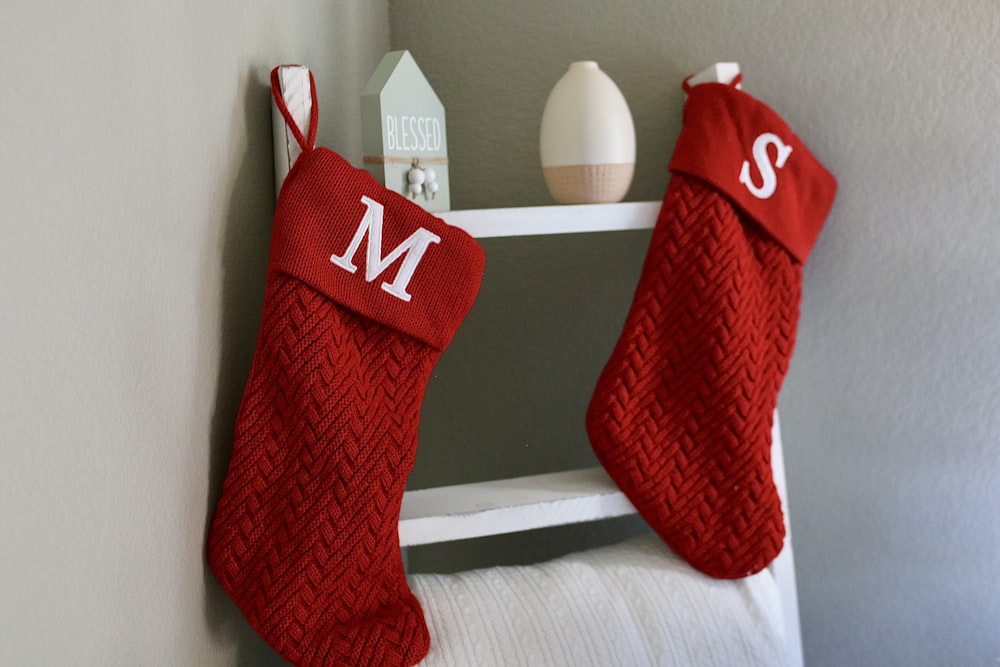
244,256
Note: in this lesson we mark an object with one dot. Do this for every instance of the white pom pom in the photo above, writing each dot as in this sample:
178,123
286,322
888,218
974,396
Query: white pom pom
415,189
432,187
416,177
429,173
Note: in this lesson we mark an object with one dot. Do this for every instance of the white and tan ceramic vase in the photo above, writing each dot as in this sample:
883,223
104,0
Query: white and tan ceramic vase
587,138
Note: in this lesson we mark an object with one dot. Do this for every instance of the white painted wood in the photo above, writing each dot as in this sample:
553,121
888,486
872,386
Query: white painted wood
783,567
540,220
296,90
503,506
717,73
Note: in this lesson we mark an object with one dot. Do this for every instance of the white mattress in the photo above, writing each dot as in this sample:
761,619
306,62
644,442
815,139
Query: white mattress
628,605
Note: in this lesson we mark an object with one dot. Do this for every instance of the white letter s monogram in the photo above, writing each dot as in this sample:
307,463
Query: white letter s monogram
763,160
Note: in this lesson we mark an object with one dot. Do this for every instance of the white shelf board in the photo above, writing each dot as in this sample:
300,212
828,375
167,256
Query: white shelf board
537,220
462,511
783,567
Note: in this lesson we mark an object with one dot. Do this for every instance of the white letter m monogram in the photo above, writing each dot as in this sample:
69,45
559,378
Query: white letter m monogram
412,250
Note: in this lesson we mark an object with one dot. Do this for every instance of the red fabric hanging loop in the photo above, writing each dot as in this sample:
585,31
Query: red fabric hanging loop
307,143
735,83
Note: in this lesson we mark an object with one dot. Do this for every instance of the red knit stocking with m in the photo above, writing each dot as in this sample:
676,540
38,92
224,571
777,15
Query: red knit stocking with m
364,291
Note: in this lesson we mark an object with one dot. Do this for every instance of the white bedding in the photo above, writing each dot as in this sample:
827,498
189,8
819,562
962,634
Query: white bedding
633,604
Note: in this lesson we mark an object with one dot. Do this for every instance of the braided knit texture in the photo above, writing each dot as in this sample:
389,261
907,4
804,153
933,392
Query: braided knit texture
305,536
681,415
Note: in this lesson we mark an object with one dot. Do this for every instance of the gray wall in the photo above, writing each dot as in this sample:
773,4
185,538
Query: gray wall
891,410
136,193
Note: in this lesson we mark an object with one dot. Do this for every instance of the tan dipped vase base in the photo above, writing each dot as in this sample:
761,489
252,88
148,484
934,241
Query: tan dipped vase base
589,183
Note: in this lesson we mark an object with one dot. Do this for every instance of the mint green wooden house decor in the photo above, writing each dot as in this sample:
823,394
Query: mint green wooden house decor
403,133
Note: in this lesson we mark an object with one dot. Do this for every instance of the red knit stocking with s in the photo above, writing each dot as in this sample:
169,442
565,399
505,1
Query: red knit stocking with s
364,291
682,413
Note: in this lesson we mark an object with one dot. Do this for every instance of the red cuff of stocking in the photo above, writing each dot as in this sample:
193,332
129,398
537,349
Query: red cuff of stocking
372,251
745,150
